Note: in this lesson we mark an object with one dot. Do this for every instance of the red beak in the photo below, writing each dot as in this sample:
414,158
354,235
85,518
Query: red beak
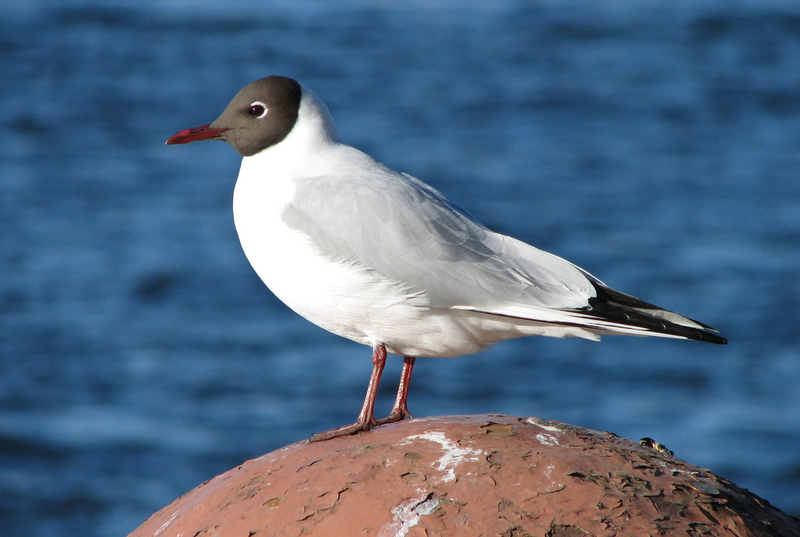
203,132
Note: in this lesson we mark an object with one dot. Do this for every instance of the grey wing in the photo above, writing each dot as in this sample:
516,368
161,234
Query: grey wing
405,230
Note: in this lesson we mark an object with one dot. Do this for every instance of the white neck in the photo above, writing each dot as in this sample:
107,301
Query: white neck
313,131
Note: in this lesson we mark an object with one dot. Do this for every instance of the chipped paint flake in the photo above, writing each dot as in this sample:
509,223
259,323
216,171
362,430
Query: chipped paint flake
453,456
407,515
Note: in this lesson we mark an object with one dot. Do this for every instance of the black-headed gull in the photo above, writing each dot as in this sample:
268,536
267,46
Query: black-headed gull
381,258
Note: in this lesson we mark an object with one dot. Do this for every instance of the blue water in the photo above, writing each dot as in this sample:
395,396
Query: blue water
658,147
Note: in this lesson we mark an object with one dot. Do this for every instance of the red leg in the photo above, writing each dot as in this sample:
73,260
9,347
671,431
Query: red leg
400,408
365,418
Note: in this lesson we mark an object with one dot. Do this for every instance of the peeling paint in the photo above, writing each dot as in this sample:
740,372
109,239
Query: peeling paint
453,456
469,477
273,503
407,515
498,429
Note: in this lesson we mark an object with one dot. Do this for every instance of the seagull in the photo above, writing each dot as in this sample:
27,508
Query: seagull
383,259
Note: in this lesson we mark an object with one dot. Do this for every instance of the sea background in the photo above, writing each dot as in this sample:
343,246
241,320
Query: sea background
656,144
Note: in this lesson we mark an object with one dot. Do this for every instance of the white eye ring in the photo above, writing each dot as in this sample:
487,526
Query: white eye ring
258,109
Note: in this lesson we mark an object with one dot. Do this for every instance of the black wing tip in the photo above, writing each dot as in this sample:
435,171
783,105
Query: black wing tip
616,306
710,338
720,341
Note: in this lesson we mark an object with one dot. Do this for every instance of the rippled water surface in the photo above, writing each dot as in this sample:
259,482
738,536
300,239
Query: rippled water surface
657,147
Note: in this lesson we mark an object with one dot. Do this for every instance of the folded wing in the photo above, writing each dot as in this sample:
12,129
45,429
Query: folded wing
404,230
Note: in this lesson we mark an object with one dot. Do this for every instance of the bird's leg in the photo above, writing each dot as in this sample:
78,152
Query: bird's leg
400,408
366,417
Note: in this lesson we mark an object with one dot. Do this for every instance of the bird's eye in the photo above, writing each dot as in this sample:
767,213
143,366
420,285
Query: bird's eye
258,109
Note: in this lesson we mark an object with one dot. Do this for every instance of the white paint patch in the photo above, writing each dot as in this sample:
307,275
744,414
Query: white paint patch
549,472
554,485
407,515
537,422
547,440
453,456
166,524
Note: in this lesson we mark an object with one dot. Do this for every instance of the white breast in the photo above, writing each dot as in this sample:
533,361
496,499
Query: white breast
343,299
